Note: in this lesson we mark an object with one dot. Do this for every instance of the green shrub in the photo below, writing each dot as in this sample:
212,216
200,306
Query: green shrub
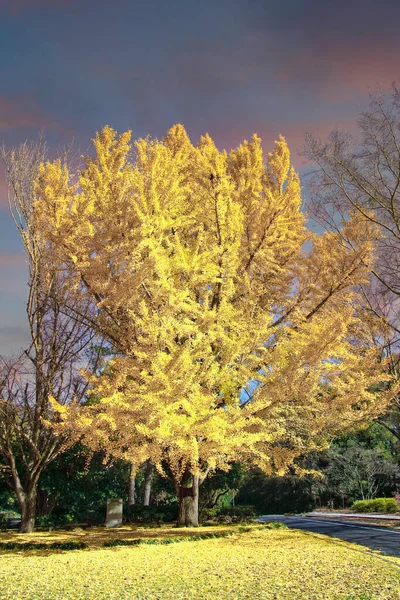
229,514
46,521
384,505
163,513
5,516
3,521
242,511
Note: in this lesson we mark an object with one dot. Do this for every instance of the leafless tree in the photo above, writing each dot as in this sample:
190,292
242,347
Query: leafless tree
61,343
361,174
358,472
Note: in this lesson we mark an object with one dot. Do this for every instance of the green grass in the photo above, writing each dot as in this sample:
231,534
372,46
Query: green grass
267,564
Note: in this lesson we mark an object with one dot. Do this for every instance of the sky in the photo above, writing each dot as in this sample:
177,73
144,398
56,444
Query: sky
227,67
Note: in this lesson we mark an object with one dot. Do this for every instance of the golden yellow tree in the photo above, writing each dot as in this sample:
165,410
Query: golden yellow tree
233,338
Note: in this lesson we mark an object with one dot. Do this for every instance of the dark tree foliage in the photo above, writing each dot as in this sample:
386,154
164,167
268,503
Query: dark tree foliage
360,464
276,495
80,482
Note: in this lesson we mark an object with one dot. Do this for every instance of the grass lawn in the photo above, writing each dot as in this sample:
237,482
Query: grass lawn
269,564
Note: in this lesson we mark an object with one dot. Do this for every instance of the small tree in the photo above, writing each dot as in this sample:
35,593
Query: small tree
59,337
234,342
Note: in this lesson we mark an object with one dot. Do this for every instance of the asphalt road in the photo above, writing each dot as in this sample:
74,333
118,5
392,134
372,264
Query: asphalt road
374,537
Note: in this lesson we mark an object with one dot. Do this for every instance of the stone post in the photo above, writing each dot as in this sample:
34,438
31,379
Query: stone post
114,512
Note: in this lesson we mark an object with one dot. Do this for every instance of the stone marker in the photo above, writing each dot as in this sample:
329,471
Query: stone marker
114,512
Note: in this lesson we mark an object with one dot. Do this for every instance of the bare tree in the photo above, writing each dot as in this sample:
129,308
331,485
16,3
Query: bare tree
358,472
62,342
361,174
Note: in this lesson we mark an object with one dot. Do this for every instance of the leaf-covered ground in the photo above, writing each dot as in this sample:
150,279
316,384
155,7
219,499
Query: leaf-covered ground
95,537
267,564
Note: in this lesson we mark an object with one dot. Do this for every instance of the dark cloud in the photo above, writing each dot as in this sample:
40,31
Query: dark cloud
332,48
226,67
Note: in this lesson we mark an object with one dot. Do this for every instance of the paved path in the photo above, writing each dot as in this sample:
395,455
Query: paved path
374,537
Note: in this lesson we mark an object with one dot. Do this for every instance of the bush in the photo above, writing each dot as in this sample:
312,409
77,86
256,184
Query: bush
3,521
385,505
244,511
5,517
163,513
56,521
46,521
229,514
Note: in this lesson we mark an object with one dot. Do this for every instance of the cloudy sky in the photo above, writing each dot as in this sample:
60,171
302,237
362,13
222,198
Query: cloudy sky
226,67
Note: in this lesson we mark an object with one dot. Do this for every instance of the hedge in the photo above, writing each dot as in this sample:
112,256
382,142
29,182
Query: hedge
384,505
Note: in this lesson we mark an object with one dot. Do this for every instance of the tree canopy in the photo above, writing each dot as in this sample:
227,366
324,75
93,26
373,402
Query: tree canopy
238,335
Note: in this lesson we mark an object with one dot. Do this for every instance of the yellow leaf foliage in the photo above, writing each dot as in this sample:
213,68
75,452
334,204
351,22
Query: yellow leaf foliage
234,339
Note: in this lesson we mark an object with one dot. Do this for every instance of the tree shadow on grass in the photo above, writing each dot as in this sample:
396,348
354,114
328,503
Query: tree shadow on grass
45,543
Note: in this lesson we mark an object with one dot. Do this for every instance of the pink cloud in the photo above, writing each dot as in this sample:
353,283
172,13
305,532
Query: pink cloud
339,71
21,113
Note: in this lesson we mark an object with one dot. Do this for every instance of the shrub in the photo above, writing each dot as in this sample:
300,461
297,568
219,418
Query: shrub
55,520
3,521
239,514
5,517
385,505
163,513
46,521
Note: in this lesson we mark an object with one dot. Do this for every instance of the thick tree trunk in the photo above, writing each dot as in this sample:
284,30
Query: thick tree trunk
188,514
28,512
131,490
26,495
148,476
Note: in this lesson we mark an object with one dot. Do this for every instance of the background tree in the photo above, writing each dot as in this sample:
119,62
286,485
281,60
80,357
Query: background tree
361,174
360,463
233,342
222,487
81,481
359,473
272,494
59,339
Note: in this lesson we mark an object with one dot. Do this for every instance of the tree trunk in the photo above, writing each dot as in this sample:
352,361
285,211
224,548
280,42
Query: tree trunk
28,512
188,515
26,495
131,490
148,476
